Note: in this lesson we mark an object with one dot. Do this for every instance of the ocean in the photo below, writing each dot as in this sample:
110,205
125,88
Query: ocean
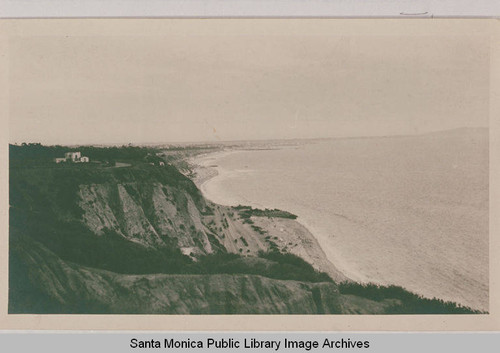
410,211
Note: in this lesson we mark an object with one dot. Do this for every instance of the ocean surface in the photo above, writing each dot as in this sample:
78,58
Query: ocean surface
410,211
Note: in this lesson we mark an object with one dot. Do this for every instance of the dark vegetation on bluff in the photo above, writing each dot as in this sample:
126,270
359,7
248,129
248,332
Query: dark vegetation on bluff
247,212
44,208
35,154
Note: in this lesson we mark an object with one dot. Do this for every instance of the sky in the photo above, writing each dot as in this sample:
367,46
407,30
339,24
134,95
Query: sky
180,86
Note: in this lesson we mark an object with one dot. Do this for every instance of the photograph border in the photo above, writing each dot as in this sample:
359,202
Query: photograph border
483,322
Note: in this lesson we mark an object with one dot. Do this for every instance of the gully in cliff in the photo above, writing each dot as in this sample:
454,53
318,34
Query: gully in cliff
340,167
112,230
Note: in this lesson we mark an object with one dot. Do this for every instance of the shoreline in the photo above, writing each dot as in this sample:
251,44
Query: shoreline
206,170
203,169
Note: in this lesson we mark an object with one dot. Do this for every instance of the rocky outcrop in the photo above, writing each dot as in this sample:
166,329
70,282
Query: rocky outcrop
157,215
97,239
152,215
77,261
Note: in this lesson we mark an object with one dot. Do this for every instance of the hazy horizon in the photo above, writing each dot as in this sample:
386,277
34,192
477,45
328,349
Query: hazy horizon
224,82
153,143
409,211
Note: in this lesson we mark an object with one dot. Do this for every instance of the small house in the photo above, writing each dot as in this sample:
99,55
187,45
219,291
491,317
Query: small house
74,157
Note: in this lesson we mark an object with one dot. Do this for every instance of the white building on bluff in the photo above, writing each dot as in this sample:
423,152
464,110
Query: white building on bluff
75,157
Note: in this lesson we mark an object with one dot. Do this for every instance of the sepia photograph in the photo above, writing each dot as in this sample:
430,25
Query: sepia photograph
216,167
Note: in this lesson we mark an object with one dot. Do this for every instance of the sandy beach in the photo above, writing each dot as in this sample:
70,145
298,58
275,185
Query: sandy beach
383,225
293,235
205,167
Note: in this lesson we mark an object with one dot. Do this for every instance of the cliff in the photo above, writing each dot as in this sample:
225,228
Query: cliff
95,238
63,287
